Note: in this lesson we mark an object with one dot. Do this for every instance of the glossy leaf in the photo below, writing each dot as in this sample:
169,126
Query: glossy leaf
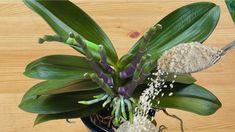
193,22
58,67
59,103
64,17
192,98
84,112
60,86
231,7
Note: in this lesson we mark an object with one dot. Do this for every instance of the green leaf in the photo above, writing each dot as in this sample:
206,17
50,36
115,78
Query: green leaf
64,17
84,112
181,78
60,86
58,67
193,22
58,103
125,60
192,98
231,7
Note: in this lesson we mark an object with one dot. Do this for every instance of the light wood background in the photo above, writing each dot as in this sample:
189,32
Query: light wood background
20,28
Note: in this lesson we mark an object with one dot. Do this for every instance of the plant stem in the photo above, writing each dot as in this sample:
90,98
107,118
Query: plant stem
129,88
140,53
102,84
50,38
90,58
103,60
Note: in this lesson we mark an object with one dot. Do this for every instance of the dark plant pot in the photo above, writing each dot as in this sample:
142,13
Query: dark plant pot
106,126
100,122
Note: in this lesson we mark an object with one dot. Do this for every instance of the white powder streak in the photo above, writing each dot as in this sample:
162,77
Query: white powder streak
141,123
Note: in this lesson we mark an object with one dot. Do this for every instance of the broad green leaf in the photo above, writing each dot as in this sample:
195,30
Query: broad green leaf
58,67
64,17
193,22
58,103
60,86
84,112
192,98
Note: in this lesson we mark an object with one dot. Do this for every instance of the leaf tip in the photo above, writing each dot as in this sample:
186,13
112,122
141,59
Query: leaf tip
41,40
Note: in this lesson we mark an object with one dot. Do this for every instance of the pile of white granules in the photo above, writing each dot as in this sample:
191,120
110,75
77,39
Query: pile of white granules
188,58
141,123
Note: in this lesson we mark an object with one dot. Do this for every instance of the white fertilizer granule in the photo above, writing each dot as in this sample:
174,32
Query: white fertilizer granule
188,58
149,94
140,124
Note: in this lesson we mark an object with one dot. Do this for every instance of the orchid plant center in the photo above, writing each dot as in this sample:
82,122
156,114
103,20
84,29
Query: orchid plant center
123,93
118,94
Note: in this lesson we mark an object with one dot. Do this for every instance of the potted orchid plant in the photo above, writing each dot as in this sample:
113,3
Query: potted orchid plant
104,90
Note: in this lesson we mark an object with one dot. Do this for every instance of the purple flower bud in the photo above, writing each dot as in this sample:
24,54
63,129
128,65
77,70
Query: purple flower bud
103,60
128,72
106,67
110,69
122,90
108,80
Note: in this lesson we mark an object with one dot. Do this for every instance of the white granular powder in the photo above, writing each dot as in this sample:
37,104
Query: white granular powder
187,58
149,94
141,122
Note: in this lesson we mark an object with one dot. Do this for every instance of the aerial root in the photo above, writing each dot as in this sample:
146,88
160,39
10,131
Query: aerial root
176,117
161,128
68,121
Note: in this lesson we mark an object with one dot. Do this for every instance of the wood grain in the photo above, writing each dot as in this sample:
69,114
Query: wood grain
20,28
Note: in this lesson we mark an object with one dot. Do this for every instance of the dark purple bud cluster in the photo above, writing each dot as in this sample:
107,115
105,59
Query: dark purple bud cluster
101,83
107,79
103,60
128,72
140,67
130,87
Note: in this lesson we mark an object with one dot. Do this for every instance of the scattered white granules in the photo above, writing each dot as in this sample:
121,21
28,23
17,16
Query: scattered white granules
149,94
170,94
158,102
188,58
140,124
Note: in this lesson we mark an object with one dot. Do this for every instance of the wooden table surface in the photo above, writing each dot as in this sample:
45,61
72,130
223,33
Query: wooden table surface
20,28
